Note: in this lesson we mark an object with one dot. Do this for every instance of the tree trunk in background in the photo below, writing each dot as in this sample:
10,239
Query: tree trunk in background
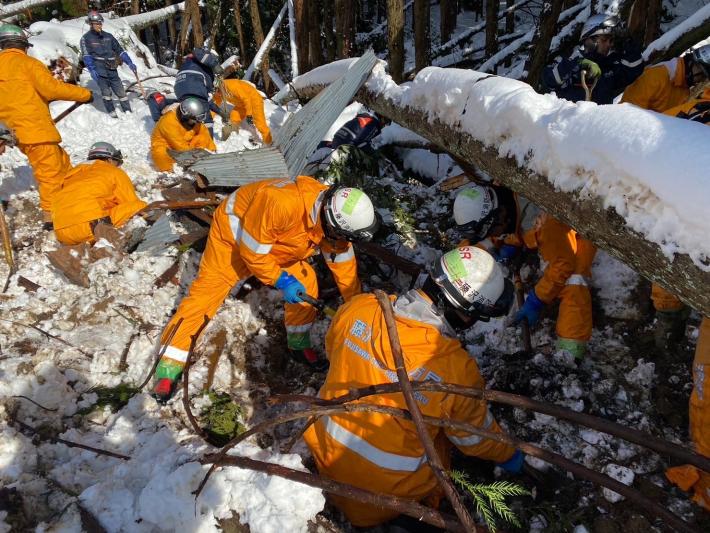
543,37
395,38
196,19
491,27
636,22
155,34
240,32
301,13
259,38
345,16
653,22
315,47
422,34
184,26
135,10
172,34
328,32
510,17
448,9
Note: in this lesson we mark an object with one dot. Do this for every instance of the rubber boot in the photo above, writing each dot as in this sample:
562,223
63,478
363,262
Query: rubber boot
575,347
669,329
167,374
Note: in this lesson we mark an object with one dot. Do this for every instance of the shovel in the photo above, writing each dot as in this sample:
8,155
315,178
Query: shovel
318,304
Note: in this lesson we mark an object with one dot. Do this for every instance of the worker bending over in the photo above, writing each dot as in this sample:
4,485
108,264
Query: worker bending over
495,212
181,129
239,100
269,229
384,454
98,191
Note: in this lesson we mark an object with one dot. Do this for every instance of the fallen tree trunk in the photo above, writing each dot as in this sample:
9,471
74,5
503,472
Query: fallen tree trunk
586,214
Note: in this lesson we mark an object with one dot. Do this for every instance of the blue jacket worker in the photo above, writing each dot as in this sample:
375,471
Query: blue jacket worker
101,51
196,78
607,63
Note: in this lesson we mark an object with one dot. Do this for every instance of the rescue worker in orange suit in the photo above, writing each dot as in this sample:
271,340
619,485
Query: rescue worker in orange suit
98,191
384,454
689,477
181,129
243,102
483,212
26,88
269,229
661,88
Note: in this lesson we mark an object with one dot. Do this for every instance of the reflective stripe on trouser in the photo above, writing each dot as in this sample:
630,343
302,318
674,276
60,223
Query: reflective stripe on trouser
299,318
50,163
337,461
112,84
574,320
75,234
221,268
664,300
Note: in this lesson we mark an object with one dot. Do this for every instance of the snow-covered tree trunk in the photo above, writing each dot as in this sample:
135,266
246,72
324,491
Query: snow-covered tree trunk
261,57
542,39
422,34
292,29
139,20
603,226
18,7
395,38
681,37
510,16
240,31
448,9
491,27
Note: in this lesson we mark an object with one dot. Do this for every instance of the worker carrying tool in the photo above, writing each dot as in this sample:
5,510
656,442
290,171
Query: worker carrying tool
269,229
383,454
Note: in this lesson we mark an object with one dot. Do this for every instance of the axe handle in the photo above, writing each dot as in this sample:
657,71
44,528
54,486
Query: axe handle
68,110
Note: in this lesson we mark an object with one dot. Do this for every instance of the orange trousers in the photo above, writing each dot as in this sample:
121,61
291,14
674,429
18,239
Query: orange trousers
574,319
50,163
664,300
221,268
689,477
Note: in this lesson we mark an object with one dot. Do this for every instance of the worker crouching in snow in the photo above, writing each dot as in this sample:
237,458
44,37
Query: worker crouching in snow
490,211
689,477
26,88
181,129
239,100
269,229
384,454
94,192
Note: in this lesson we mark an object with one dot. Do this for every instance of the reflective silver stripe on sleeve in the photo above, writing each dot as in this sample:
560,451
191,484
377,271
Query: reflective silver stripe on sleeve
631,64
234,222
473,440
316,207
340,258
364,449
577,279
175,353
556,74
254,245
302,328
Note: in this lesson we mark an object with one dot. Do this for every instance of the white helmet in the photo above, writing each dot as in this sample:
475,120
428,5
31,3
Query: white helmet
472,282
601,24
348,214
475,208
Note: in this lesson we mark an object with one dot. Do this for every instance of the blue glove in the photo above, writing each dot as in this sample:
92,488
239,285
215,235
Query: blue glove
291,288
514,465
530,310
91,67
506,253
127,60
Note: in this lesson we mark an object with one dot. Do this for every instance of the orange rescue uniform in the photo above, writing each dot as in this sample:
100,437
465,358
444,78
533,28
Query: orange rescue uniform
247,102
169,133
382,453
688,476
262,229
92,191
26,88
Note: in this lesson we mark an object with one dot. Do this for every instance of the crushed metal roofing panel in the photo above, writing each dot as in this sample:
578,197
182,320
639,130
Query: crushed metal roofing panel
302,132
158,236
185,158
238,168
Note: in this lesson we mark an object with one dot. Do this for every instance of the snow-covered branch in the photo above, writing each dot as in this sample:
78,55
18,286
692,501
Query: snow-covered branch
632,181
18,7
143,20
681,37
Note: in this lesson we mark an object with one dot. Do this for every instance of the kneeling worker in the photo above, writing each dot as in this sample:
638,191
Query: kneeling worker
384,454
94,192
484,212
181,129
269,229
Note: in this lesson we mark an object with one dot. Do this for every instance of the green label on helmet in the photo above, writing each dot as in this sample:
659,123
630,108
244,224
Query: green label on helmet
471,193
352,200
454,264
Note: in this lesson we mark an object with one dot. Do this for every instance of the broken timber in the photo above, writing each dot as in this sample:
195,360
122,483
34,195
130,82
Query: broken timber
604,227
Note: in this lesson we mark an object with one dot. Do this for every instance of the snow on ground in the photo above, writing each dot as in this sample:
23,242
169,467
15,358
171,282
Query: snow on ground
620,153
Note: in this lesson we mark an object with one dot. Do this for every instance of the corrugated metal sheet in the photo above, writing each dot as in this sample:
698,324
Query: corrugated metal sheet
158,236
188,157
238,168
302,132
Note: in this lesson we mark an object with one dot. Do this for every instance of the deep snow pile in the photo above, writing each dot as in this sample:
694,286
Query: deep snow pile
620,153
